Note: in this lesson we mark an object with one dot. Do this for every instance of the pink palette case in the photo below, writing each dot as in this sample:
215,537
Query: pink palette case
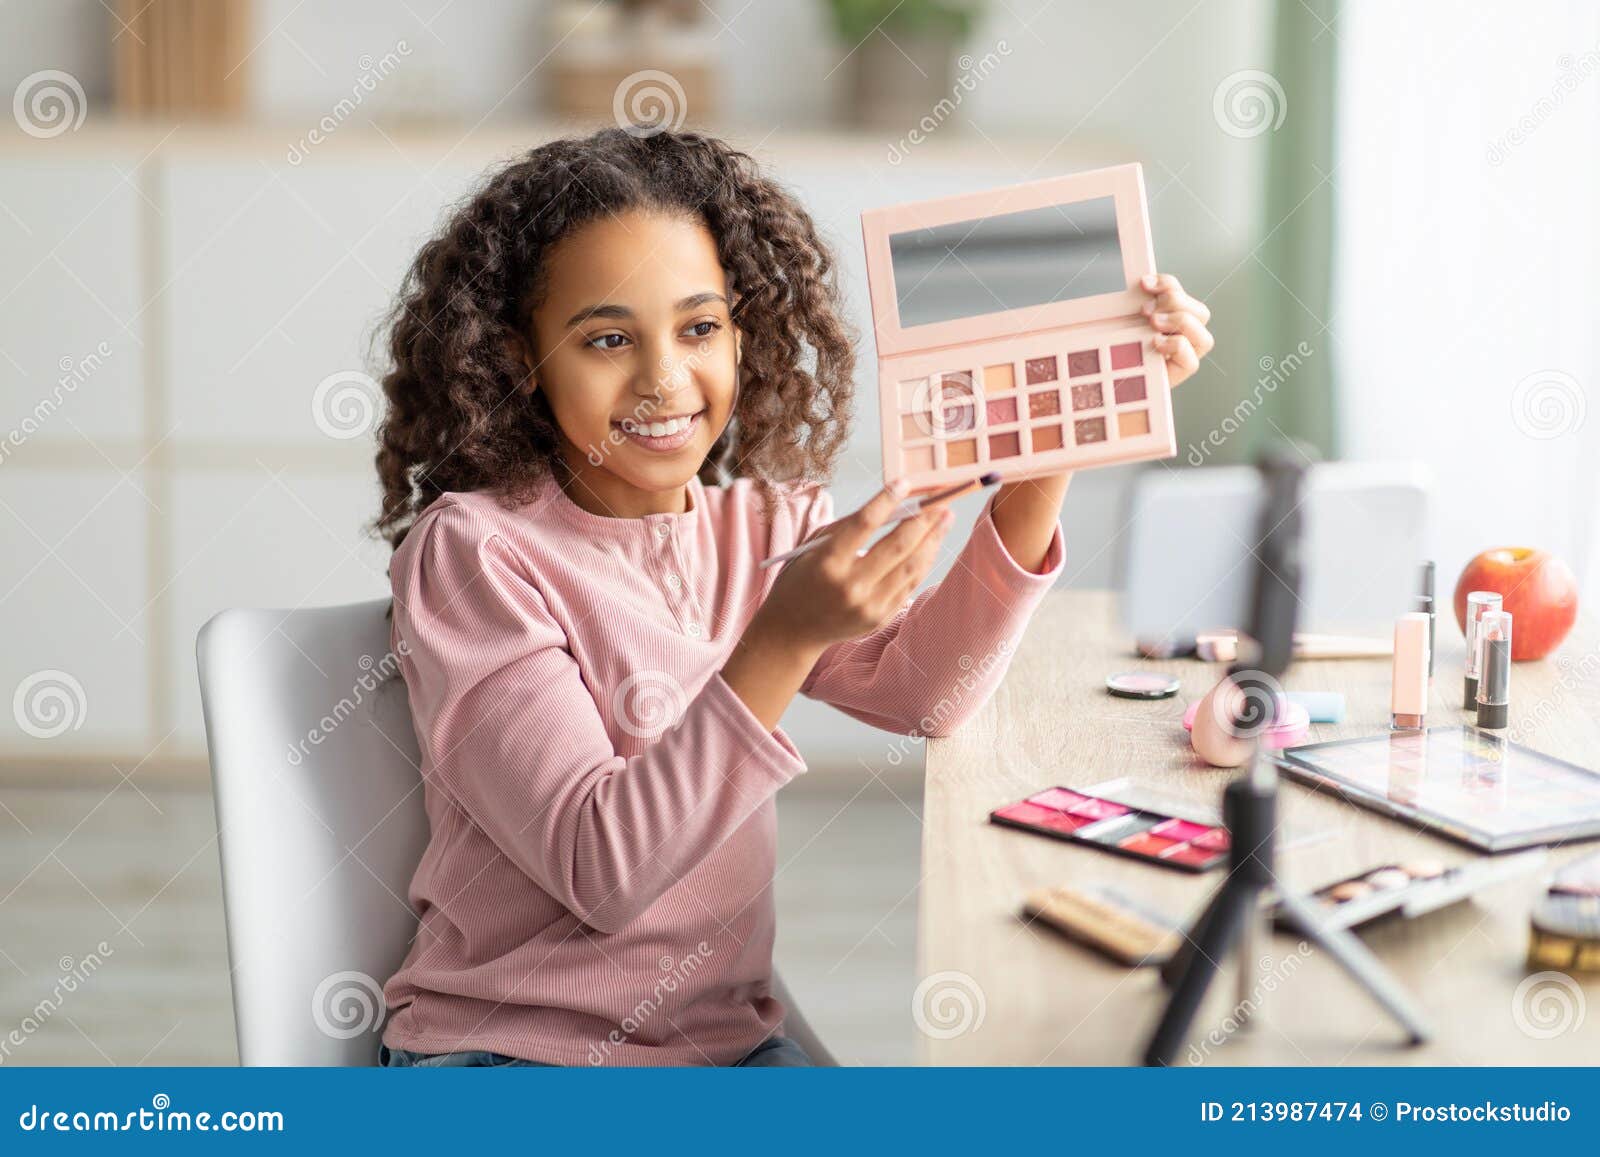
1009,331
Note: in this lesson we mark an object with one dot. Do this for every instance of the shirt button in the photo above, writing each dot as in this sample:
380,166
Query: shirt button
674,583
694,630
662,530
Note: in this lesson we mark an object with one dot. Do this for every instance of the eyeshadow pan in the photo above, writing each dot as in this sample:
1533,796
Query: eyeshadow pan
1133,423
1057,797
1041,370
1088,396
1028,813
1179,831
1045,404
1046,438
1002,410
1099,809
1062,822
997,378
1126,356
962,453
959,419
957,384
1083,362
918,459
1089,430
915,395
1130,389
915,426
1190,855
1148,844
1216,840
1004,445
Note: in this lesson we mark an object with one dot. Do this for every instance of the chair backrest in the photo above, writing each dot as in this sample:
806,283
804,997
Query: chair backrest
320,826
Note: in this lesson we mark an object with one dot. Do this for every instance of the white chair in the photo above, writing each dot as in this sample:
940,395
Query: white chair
320,825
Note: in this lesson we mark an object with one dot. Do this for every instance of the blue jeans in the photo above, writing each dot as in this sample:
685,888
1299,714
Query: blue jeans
778,1052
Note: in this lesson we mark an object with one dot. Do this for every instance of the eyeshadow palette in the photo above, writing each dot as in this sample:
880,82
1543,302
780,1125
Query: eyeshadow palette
1471,785
1154,837
1009,331
1411,888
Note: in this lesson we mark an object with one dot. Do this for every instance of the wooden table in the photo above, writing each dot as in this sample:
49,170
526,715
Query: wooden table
999,989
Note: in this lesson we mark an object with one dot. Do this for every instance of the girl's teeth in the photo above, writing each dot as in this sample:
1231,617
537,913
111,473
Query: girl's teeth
658,429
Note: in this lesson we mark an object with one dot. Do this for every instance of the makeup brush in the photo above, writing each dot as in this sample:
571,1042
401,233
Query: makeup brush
908,508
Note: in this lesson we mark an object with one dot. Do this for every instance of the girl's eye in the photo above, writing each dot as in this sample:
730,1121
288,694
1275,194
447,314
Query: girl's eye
704,328
608,341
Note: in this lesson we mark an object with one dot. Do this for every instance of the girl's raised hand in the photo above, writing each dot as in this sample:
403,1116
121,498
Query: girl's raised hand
1181,322
829,594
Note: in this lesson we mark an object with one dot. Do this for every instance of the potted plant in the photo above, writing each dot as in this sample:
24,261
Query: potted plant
902,56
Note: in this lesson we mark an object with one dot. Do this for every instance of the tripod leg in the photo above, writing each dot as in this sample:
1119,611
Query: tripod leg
1357,959
1213,936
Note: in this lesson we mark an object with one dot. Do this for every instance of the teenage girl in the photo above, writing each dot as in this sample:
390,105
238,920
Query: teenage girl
619,378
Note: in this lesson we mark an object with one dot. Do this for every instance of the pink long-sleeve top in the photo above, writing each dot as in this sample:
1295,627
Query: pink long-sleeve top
597,886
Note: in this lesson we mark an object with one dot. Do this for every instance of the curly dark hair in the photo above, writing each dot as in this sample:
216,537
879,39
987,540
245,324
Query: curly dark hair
457,418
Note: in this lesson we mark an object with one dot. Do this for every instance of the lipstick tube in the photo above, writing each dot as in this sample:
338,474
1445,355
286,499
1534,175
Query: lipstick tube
1479,603
1494,669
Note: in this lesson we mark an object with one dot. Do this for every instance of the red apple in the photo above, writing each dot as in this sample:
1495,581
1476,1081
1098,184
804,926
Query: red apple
1539,590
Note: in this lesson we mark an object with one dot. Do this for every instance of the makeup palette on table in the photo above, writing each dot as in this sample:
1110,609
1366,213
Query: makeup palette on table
1410,888
1157,838
1471,785
1009,331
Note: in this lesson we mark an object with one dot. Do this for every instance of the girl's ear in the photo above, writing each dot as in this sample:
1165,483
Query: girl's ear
517,346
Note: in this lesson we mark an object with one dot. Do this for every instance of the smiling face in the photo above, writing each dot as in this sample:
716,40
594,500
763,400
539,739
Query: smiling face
634,349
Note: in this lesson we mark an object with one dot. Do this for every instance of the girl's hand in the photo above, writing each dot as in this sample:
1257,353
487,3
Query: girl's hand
828,595
1181,322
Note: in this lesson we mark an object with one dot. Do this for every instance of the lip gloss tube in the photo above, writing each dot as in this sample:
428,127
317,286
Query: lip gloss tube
1408,693
1479,603
1494,670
